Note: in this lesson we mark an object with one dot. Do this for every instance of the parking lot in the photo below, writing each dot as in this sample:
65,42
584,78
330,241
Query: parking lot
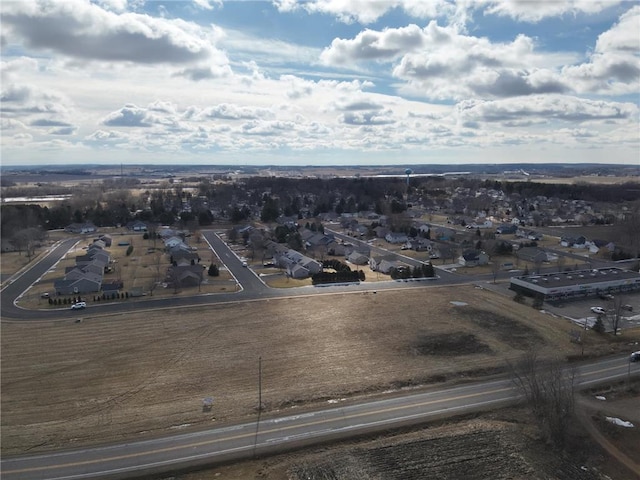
578,310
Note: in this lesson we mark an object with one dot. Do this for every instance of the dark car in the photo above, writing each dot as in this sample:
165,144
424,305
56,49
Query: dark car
635,357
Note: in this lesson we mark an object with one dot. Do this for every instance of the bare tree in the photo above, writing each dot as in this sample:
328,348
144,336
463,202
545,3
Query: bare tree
614,314
27,238
156,278
548,388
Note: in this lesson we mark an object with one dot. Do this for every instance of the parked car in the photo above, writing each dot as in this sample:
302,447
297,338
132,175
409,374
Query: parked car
628,308
79,306
598,310
605,296
635,357
44,295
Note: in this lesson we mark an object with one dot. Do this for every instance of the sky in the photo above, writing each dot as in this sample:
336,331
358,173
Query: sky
319,82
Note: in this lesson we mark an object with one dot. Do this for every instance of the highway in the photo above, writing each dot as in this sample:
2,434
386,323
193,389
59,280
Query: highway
273,434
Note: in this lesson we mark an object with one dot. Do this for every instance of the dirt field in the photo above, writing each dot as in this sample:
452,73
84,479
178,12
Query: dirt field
497,445
105,379
66,384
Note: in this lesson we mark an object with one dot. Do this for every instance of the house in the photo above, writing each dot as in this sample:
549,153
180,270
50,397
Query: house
396,237
97,244
172,242
185,275
319,240
107,239
417,244
480,224
444,233
77,286
357,258
179,255
360,230
112,286
311,265
473,258
137,226
508,229
383,264
532,254
381,231
424,229
86,227
337,249
297,271
289,258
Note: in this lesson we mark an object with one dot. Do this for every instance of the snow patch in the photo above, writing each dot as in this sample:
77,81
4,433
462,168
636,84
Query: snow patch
600,397
620,423
184,425
458,304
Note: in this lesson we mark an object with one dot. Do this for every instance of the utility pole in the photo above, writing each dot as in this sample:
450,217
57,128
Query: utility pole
259,385
255,442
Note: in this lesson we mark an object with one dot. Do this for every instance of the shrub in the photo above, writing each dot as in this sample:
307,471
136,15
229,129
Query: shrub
598,327
129,250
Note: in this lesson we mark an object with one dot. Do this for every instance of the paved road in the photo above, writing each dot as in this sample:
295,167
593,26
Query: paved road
251,288
273,434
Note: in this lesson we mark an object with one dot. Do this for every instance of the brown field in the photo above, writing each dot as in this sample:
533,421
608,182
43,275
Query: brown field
119,377
69,383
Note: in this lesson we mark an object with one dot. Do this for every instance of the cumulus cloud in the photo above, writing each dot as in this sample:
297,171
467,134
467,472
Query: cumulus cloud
367,117
367,11
267,127
534,11
442,63
25,100
128,116
355,105
103,136
228,111
373,45
614,66
86,31
207,4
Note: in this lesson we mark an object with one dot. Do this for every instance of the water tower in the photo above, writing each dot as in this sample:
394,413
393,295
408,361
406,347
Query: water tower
408,172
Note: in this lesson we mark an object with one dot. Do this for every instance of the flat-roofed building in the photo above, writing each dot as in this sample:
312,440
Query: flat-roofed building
577,283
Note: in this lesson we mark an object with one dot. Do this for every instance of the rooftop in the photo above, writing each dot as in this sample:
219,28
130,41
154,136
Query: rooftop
562,279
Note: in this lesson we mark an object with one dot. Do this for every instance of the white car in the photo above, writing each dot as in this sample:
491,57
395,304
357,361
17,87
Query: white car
79,306
598,310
